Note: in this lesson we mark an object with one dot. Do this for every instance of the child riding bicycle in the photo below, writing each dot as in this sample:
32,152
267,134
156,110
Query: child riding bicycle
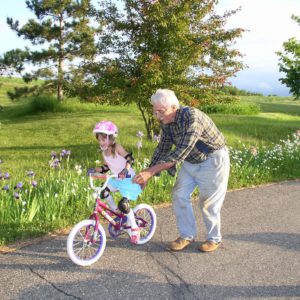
119,162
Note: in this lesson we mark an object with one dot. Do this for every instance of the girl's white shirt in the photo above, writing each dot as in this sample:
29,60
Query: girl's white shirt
117,163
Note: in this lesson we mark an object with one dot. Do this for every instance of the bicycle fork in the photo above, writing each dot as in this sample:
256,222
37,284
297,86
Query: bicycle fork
88,238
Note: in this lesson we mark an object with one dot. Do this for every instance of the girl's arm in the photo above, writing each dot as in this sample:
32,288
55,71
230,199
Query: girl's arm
102,169
129,160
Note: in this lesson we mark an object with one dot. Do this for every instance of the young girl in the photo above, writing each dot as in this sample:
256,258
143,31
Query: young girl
119,162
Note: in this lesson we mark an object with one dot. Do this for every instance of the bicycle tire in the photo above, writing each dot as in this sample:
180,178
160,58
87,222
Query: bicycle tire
144,212
81,250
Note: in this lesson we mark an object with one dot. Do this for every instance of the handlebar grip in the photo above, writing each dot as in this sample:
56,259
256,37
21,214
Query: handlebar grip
127,176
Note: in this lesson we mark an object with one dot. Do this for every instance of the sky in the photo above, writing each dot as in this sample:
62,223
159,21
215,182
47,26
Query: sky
268,24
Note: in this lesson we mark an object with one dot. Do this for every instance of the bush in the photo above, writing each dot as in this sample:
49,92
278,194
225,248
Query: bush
43,103
49,103
231,108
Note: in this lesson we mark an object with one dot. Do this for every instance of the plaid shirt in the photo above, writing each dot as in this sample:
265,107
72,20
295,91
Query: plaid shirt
190,128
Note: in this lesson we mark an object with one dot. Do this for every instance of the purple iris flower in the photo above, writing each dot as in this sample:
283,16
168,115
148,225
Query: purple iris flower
55,163
17,196
5,188
6,175
34,183
19,185
156,138
53,154
140,134
65,152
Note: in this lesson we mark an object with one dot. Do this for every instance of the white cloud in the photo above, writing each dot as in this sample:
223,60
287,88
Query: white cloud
265,86
270,25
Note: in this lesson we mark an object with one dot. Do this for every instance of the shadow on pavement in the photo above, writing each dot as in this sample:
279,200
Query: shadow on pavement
288,241
138,286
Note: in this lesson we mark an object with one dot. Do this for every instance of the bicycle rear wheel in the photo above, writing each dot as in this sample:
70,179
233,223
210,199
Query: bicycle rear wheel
84,245
145,217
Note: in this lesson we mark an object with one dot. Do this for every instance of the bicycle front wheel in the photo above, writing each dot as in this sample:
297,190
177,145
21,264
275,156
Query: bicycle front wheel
84,245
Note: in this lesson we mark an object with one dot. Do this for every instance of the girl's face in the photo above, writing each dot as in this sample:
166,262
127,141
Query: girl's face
104,141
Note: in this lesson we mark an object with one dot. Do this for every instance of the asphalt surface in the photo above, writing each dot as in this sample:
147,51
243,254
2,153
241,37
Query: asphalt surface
258,259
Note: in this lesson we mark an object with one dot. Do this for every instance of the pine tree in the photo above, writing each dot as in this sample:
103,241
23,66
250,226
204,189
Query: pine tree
65,37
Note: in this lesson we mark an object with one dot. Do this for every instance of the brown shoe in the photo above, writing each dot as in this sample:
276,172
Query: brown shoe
209,246
179,244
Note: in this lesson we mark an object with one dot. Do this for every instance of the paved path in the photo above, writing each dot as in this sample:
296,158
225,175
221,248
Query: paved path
259,258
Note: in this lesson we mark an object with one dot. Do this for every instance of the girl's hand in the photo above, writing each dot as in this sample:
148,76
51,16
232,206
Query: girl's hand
123,173
90,171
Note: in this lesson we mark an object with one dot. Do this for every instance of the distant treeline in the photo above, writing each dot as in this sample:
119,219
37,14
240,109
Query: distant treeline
234,91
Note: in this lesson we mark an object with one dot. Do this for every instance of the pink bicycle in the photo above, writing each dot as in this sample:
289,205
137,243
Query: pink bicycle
87,240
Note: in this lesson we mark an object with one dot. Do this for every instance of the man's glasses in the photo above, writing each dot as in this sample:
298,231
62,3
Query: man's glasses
160,111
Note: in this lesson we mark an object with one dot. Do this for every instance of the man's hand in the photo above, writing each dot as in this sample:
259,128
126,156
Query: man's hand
142,178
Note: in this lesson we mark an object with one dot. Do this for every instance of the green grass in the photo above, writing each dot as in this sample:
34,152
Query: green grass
8,84
27,139
240,108
273,104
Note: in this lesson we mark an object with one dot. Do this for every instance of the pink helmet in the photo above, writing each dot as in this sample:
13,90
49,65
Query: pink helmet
106,127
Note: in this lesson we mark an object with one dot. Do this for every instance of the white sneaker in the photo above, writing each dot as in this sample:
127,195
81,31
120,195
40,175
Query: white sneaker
134,235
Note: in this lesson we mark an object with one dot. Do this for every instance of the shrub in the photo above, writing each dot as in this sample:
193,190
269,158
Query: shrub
43,103
231,108
49,103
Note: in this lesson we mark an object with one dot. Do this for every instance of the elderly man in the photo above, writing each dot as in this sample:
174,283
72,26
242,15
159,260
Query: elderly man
201,147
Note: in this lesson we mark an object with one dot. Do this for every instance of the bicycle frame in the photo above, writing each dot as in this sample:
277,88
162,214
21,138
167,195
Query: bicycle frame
87,240
101,208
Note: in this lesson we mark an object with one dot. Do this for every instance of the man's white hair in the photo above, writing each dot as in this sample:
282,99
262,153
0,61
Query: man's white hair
165,97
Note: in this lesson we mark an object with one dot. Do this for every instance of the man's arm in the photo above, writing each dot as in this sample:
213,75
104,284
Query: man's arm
143,177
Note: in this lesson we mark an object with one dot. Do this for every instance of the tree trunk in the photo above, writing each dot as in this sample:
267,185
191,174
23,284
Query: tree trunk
60,74
60,92
148,123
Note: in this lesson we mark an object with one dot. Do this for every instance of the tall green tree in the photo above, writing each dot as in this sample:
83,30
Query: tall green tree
63,30
289,63
177,44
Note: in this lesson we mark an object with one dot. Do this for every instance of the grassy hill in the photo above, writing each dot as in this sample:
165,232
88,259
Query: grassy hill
27,140
8,84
